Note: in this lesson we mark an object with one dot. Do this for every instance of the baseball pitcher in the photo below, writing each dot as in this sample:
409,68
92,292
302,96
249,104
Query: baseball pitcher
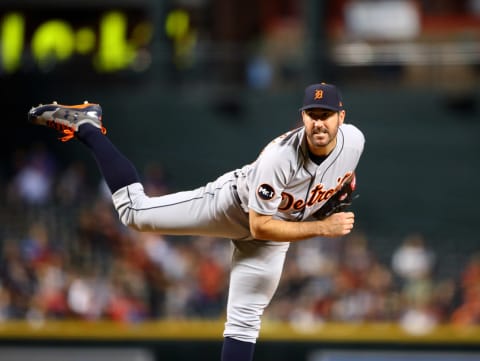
296,189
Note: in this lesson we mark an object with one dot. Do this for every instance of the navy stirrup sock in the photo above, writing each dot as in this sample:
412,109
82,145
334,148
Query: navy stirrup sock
235,350
117,170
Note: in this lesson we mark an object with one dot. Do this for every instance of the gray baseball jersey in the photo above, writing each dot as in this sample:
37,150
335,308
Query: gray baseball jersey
283,182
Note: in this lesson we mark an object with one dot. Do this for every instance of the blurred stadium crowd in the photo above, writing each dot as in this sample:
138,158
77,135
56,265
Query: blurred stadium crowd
64,255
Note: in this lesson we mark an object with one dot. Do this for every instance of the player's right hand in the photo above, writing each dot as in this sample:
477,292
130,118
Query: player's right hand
337,224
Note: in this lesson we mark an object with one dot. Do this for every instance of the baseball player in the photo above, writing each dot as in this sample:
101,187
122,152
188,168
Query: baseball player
261,207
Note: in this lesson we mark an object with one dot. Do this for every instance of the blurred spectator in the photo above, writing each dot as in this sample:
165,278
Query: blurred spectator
33,180
5,304
445,299
87,295
50,298
412,260
385,304
418,321
71,186
35,247
468,313
474,7
414,263
210,279
18,278
259,73
127,299
100,233
357,257
162,254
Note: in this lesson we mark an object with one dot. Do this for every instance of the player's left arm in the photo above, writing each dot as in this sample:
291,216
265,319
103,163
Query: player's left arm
265,227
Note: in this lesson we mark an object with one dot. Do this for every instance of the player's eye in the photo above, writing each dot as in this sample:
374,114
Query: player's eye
322,115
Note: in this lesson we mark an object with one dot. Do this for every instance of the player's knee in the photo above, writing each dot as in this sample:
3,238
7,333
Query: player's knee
126,202
242,332
128,221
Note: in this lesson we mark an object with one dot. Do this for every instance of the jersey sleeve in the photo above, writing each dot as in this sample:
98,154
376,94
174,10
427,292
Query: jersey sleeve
267,180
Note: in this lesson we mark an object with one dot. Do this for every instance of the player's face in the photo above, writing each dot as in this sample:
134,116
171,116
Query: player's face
321,127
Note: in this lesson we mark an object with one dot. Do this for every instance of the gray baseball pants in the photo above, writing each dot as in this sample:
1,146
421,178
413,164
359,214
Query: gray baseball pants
214,210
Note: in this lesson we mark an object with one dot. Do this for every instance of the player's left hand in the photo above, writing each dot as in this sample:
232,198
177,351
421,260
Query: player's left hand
337,224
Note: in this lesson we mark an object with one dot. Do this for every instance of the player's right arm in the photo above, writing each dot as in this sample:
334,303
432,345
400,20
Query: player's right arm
265,227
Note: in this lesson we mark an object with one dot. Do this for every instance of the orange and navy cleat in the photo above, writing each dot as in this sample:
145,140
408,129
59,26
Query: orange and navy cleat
67,118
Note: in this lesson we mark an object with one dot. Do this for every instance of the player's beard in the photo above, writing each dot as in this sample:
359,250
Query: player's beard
322,139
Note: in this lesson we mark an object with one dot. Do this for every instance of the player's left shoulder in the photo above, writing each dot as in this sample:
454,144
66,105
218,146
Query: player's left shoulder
352,135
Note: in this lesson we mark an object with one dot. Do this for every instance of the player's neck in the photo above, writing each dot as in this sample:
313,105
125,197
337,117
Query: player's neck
317,159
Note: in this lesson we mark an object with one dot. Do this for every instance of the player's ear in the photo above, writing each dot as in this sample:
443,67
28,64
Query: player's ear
341,117
302,113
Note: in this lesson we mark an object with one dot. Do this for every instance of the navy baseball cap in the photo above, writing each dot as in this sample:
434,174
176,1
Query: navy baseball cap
322,95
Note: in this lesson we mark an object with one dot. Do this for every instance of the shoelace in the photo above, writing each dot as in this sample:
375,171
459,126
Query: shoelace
68,132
